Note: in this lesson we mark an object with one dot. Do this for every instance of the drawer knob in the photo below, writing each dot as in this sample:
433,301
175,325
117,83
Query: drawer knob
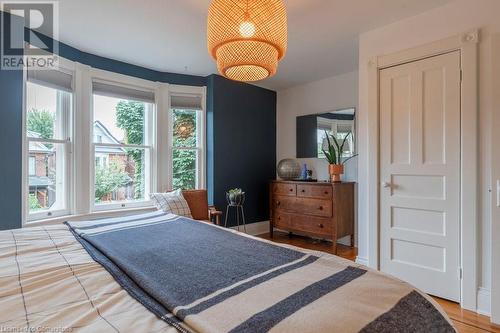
320,207
303,191
279,217
326,192
291,190
278,203
320,225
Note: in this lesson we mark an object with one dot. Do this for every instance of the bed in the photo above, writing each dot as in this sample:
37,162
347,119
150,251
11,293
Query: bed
159,272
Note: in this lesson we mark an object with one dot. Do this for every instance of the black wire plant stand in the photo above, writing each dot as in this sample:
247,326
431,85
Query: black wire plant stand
236,202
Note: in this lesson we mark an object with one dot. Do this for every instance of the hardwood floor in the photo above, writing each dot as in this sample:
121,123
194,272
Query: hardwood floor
465,321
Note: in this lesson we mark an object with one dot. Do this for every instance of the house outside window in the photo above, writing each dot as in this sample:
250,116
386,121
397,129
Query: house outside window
123,126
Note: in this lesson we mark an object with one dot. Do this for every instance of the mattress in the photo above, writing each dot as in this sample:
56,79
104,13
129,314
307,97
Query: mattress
49,282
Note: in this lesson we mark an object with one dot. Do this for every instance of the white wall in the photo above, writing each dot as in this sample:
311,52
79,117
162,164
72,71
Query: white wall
452,19
329,94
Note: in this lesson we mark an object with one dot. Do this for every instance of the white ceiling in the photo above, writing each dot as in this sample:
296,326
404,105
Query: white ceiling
169,35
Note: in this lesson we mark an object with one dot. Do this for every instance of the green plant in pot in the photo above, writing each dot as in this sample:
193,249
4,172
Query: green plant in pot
334,156
235,196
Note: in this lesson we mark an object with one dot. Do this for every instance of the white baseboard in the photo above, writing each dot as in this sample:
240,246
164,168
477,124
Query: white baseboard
483,301
362,261
255,229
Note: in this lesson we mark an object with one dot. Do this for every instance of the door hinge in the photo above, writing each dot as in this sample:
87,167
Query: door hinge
461,75
460,273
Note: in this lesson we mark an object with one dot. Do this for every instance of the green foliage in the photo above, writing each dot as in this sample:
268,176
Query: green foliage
130,118
41,122
33,202
336,150
235,191
109,179
184,169
184,161
331,155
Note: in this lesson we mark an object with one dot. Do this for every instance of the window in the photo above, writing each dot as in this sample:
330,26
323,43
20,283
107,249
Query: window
48,142
122,132
187,135
32,166
340,129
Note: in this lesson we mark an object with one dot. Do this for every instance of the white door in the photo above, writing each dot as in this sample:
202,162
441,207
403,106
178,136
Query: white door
420,173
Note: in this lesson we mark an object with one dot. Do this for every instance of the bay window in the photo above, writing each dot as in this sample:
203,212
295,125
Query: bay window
96,142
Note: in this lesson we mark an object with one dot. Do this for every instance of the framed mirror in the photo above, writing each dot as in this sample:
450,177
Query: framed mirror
311,129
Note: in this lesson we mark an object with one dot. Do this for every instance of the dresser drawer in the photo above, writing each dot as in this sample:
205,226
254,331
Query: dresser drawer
304,206
314,191
285,189
301,223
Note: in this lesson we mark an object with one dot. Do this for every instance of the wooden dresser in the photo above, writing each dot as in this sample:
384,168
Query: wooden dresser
322,210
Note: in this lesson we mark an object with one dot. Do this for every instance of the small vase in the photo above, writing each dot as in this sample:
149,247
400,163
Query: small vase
335,170
303,174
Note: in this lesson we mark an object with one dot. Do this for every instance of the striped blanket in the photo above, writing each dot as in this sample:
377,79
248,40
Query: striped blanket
195,277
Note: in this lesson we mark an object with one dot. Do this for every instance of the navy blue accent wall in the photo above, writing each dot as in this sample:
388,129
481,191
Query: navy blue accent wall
241,126
11,101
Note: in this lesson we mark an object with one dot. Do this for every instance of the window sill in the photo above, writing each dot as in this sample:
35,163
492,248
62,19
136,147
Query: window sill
90,216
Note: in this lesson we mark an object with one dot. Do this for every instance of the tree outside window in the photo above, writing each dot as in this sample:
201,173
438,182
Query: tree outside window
185,151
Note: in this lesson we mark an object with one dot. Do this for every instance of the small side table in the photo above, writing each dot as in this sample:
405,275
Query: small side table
238,209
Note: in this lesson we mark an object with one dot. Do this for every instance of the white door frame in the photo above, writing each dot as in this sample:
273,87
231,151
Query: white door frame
495,176
467,44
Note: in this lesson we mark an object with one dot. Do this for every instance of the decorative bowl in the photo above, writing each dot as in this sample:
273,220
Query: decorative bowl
288,169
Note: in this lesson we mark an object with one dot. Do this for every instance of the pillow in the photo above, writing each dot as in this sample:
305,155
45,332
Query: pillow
172,202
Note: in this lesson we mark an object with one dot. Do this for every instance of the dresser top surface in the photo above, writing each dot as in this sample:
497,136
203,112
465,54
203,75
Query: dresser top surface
298,182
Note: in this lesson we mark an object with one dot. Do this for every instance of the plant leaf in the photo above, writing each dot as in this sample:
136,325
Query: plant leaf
338,154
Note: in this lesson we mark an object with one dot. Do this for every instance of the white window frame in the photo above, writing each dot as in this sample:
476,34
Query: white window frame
177,90
149,146
65,173
80,169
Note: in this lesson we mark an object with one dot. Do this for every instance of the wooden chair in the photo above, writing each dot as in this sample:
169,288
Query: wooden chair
200,210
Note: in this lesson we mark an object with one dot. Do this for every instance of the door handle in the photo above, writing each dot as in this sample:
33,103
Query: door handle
386,184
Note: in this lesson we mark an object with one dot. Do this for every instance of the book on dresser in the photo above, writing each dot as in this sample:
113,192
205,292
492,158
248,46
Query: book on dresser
321,210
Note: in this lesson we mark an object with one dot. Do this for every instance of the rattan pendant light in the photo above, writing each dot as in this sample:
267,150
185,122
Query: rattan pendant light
247,38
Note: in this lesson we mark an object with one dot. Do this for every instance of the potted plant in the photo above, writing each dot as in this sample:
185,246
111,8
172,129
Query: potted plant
334,156
235,197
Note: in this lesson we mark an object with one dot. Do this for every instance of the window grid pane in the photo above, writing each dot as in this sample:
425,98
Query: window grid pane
185,168
47,176
120,174
120,121
185,128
